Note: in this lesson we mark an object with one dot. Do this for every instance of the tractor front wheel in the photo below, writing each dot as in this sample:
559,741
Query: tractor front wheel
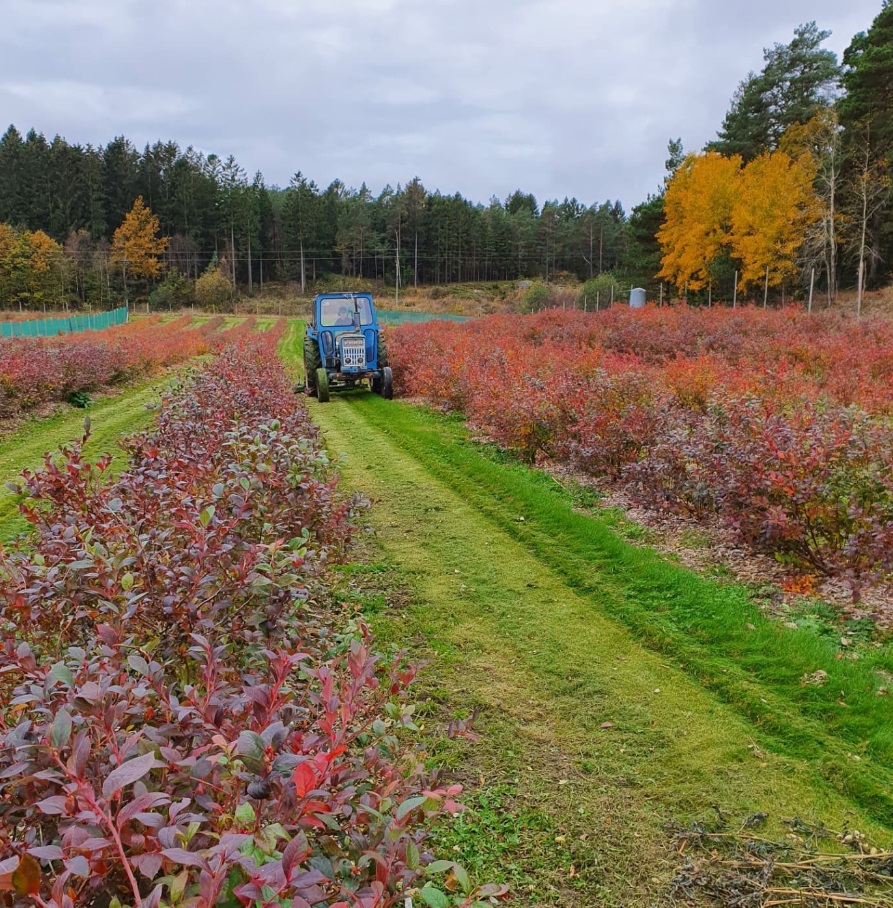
387,383
312,362
322,385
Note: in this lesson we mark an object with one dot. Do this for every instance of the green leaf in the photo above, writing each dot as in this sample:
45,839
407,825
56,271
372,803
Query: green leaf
412,855
434,898
207,515
61,672
61,729
245,814
80,565
127,582
462,876
440,866
410,804
250,747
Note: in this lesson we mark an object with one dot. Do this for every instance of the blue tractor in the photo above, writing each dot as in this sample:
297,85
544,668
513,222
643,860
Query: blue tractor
344,347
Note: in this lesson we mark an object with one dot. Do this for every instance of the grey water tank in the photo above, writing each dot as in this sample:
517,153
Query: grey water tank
637,298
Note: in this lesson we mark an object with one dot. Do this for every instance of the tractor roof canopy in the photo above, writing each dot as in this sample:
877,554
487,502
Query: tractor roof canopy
340,311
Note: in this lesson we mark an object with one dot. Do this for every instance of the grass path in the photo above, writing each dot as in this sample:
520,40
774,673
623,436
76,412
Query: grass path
615,692
110,419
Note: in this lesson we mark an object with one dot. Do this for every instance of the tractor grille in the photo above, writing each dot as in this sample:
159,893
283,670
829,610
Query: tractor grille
353,353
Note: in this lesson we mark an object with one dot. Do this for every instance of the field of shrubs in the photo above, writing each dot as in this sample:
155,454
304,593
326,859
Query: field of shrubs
36,371
776,422
185,716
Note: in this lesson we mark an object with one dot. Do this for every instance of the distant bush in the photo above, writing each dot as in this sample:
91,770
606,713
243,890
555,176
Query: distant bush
597,290
535,298
213,291
176,291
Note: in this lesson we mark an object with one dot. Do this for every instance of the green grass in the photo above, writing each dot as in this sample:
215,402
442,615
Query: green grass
110,419
547,637
722,639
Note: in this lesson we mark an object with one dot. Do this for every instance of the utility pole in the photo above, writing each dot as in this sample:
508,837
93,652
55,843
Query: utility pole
250,275
397,279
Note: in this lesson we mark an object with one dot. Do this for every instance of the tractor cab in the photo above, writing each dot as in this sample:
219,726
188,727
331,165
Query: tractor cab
343,346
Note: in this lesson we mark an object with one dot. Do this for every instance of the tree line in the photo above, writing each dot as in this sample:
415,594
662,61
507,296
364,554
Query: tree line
68,201
795,188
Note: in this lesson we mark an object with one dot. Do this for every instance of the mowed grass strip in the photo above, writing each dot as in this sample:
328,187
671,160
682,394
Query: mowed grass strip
711,631
590,740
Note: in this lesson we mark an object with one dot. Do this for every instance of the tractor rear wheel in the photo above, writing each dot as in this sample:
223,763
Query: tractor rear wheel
312,362
322,385
382,350
387,383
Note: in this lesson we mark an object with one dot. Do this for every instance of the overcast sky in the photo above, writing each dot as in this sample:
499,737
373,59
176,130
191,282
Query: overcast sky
558,97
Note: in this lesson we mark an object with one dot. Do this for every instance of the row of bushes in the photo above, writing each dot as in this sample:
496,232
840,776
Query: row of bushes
36,371
183,718
747,415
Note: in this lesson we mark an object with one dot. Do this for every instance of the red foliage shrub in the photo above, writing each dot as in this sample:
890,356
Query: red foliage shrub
179,721
35,371
777,421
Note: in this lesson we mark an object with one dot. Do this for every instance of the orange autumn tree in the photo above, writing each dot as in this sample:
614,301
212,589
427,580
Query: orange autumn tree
44,260
136,245
770,218
698,205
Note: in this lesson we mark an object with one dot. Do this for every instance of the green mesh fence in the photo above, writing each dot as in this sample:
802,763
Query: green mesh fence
396,317
50,327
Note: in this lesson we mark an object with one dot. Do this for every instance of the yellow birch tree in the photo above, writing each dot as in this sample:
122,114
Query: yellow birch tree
772,212
697,227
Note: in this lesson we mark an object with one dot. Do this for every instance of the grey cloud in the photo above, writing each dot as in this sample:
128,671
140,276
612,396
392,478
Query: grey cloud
559,97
